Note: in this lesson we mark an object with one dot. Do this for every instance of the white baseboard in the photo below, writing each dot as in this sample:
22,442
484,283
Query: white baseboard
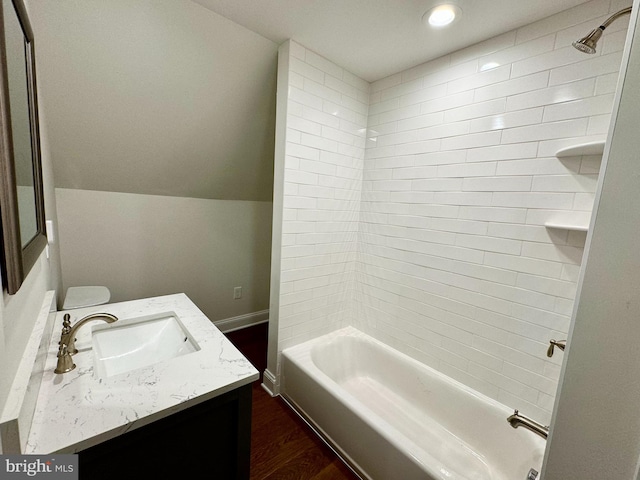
242,321
269,383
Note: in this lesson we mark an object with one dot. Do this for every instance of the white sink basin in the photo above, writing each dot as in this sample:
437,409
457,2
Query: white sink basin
139,342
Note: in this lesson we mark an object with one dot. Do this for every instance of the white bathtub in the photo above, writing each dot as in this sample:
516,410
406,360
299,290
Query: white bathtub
392,417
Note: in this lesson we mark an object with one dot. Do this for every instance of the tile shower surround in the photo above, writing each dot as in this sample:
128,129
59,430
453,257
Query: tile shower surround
414,207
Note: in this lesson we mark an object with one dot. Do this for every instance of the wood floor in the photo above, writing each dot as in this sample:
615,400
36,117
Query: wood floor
283,447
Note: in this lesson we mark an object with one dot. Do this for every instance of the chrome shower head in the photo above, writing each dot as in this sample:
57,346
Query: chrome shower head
588,44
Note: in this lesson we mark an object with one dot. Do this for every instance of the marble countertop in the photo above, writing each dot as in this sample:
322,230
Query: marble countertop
77,410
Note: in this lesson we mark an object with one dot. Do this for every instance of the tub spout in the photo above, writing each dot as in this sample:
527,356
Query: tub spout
517,420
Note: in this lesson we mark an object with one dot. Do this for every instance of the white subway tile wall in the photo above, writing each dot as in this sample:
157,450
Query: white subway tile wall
325,140
414,207
459,271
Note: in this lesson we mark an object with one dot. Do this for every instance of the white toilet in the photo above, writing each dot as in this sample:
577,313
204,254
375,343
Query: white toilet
78,297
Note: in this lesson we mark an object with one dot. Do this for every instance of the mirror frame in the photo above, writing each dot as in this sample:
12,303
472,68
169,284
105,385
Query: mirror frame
17,260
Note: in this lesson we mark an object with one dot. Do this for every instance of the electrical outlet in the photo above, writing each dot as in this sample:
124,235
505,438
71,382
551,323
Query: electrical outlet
237,293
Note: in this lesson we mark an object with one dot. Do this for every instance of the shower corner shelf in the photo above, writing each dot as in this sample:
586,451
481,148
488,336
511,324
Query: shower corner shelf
588,148
567,226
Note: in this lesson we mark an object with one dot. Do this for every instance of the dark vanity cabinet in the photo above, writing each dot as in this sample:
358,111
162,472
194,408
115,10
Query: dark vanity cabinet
209,440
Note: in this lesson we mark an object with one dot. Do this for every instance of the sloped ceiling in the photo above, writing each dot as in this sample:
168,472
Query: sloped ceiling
155,97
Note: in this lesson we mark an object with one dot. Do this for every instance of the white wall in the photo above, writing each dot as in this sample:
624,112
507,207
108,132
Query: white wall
596,429
319,184
19,312
147,245
167,108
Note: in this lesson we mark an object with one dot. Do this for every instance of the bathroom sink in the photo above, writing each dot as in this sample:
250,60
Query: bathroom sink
138,342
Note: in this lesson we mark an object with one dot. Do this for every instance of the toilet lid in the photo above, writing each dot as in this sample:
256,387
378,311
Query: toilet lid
78,297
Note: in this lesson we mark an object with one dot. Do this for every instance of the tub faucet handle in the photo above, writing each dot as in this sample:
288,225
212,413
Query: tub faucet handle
561,344
533,474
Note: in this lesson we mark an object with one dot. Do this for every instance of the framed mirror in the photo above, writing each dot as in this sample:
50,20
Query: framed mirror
21,192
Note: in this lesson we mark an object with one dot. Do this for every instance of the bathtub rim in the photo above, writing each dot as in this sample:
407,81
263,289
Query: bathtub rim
353,331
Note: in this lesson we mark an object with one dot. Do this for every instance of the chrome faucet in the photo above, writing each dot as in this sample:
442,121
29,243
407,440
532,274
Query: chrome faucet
68,341
517,420
561,344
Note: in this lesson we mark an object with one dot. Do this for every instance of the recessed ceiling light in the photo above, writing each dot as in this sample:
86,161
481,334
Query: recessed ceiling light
442,15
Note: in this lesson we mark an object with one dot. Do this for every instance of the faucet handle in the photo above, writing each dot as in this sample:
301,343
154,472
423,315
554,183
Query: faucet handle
561,344
66,323
66,329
